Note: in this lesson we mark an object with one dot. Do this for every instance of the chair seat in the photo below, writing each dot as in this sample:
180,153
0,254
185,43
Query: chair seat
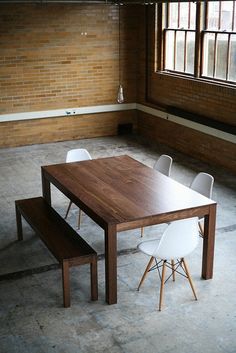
174,245
148,246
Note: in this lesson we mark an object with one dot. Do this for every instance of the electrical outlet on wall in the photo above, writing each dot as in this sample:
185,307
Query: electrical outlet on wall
70,112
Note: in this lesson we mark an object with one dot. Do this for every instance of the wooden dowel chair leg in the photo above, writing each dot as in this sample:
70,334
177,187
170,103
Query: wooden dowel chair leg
146,271
79,218
201,230
189,278
162,284
142,232
68,209
173,269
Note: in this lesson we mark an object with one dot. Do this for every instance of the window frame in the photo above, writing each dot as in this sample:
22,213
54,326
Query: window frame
200,31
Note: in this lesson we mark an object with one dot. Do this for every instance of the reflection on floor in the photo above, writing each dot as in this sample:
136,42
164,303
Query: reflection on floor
32,318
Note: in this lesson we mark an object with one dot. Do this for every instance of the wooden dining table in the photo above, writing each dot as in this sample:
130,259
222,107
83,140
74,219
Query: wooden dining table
120,193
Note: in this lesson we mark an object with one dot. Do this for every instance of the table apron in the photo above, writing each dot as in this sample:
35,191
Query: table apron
165,218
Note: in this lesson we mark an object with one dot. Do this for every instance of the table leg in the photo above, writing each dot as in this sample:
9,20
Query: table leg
66,283
46,187
111,264
209,243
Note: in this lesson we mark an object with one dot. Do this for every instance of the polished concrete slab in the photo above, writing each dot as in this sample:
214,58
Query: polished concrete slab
32,318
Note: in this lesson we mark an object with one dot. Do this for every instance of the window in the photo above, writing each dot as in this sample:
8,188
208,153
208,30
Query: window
219,41
179,36
199,39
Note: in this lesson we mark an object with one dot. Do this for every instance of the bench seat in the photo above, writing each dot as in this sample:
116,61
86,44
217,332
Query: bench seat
67,246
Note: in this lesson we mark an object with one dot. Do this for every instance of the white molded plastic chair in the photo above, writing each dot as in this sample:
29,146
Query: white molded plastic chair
77,155
178,240
203,183
163,165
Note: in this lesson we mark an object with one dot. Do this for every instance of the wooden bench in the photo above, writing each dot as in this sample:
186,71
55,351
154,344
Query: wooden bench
60,238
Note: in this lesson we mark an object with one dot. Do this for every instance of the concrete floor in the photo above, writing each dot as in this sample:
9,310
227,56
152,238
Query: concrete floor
32,318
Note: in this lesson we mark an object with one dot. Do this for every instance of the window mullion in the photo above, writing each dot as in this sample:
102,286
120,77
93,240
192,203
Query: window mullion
160,38
206,13
167,14
233,16
220,16
198,41
178,23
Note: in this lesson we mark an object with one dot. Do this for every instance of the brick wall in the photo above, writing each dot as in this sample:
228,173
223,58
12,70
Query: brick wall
159,91
194,143
212,101
28,132
58,56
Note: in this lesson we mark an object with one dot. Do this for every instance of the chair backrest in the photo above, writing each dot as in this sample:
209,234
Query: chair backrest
179,239
78,154
203,183
163,164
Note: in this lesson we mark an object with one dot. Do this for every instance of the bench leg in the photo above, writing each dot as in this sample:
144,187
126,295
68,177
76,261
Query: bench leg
94,279
18,224
66,283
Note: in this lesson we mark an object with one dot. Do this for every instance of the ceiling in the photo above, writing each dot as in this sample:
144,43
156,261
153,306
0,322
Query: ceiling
121,2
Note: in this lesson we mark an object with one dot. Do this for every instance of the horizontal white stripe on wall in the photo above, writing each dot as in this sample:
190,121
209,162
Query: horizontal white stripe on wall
118,107
68,111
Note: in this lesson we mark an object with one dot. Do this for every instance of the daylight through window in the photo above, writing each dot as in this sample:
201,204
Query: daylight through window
199,39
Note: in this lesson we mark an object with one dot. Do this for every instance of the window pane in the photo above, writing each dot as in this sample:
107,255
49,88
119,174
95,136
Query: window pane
179,65
234,29
169,58
213,15
232,59
190,52
226,15
184,12
208,54
173,15
221,56
193,15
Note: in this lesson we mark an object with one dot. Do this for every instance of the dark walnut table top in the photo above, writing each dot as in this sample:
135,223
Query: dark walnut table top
120,190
